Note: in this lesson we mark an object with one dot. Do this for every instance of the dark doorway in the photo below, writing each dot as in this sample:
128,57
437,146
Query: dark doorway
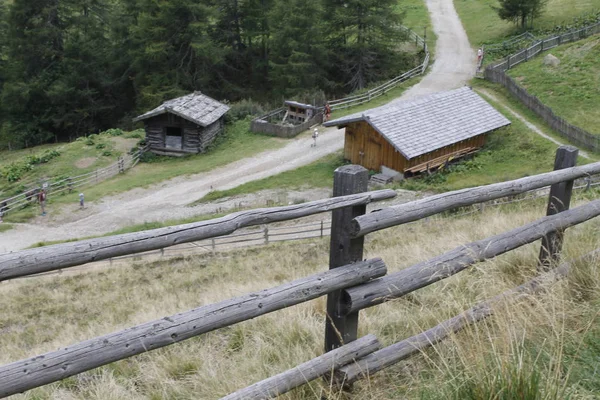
174,138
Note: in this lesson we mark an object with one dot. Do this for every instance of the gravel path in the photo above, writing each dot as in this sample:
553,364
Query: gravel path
454,65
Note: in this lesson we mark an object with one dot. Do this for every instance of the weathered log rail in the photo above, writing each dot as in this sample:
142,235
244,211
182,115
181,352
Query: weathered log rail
351,284
49,258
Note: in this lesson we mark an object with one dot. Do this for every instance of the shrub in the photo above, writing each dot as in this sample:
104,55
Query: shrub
100,146
243,109
113,132
107,153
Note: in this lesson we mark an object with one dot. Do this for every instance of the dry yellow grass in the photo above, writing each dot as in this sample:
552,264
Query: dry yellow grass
530,334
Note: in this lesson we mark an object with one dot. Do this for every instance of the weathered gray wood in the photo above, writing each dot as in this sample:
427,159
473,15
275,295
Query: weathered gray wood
559,201
415,210
311,370
347,180
438,268
404,349
49,258
54,366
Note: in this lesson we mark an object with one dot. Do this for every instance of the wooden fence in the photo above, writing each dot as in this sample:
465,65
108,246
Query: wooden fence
496,73
262,124
382,89
351,284
68,184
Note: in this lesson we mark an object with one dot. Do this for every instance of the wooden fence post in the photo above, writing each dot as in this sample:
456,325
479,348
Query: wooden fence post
322,227
559,201
266,231
349,179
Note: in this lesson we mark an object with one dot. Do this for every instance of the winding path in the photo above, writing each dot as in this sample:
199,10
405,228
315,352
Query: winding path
454,65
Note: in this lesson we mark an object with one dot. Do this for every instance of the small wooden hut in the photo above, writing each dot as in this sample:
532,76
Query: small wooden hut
184,125
298,113
419,135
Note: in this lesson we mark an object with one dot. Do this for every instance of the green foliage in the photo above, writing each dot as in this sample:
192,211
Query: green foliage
68,68
242,109
520,11
15,170
113,132
571,89
100,146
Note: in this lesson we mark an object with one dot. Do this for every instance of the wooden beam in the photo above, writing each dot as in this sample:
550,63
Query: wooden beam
415,210
311,370
349,179
559,201
404,349
443,266
71,360
49,258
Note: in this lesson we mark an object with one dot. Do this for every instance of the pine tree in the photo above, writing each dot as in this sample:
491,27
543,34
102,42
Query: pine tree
519,11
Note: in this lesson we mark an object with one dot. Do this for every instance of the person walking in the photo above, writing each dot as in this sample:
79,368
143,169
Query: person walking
81,204
315,135
42,200
327,112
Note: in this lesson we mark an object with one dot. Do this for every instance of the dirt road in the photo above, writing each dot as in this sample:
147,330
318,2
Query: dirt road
454,65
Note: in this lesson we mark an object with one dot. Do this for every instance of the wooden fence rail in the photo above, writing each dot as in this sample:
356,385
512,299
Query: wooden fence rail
450,263
495,72
33,372
73,182
49,258
350,287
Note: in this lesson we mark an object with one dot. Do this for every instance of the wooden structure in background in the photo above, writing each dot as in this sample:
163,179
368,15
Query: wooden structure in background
419,135
298,113
184,125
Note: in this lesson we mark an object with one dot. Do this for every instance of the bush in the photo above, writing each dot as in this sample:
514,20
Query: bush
113,132
107,153
100,146
243,109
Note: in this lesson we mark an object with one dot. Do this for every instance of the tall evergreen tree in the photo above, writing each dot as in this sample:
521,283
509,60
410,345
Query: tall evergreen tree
298,52
172,52
363,34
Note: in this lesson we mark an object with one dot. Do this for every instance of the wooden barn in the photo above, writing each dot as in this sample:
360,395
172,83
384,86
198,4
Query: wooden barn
420,134
184,125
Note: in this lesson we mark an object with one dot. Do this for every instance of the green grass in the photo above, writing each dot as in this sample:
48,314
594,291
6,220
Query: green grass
76,158
417,18
572,89
509,100
316,174
236,144
483,25
5,227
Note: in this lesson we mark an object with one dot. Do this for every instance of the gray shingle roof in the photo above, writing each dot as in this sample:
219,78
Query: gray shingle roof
419,126
195,107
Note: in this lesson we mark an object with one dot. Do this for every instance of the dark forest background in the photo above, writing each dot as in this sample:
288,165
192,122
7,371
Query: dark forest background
74,67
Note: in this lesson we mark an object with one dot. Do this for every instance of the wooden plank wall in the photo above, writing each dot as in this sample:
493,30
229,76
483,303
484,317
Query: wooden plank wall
208,134
365,146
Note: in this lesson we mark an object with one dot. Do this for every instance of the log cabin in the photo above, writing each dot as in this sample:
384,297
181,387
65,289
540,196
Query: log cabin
420,134
184,125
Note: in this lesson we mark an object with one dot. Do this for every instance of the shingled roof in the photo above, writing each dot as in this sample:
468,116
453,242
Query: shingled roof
194,107
422,125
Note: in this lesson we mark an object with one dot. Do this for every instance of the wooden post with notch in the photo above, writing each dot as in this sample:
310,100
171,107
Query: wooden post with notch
349,179
559,201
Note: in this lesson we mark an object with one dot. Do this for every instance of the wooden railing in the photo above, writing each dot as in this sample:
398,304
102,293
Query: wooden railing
351,284
380,90
71,183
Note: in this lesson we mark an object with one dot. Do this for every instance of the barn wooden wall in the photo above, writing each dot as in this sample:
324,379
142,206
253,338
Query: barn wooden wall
195,139
365,146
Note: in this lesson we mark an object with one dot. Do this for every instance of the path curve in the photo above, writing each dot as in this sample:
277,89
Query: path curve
454,65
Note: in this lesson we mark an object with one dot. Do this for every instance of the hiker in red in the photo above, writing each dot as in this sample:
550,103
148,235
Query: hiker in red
42,200
327,112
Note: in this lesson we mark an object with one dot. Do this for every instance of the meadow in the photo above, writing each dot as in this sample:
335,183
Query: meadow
542,346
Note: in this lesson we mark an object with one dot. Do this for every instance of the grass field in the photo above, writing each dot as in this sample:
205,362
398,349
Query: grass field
237,143
572,89
483,25
544,345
